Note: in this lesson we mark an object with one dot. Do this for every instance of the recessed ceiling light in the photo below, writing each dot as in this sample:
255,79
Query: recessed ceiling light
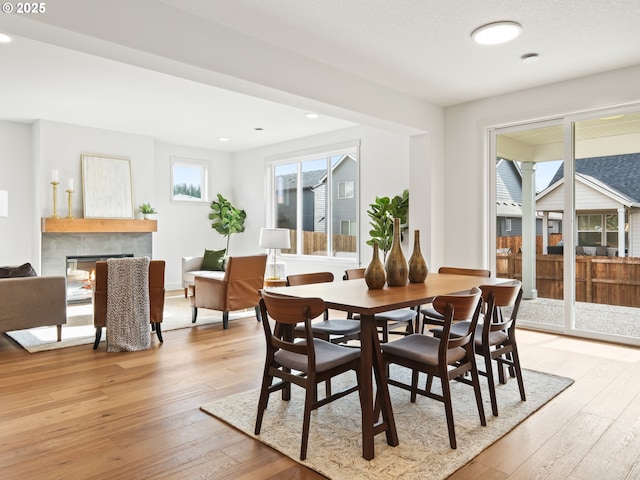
496,32
4,38
312,115
530,58
223,139
258,129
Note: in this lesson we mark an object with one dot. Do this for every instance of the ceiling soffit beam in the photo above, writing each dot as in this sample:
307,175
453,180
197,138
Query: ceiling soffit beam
158,37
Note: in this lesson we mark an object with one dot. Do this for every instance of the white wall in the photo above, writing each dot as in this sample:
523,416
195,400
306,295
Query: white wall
384,171
466,163
16,172
60,148
28,154
184,229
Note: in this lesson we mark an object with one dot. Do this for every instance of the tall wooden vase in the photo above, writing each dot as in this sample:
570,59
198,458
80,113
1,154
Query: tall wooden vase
396,265
418,268
374,274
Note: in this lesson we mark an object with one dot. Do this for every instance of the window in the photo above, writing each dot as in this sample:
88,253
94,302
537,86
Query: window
189,180
315,195
592,234
345,189
507,225
589,230
348,227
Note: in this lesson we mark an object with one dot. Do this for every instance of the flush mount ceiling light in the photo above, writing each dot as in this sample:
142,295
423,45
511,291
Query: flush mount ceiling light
223,139
496,32
4,38
312,115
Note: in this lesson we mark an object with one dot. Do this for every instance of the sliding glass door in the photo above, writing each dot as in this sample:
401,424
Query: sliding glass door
567,222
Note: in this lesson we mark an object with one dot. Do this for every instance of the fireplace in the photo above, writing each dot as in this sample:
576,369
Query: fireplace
80,272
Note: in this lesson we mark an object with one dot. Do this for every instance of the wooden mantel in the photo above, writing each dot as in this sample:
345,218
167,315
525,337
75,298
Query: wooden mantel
97,225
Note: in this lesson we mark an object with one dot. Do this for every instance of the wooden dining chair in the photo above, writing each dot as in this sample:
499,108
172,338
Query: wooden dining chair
432,317
447,358
315,360
495,337
334,330
388,322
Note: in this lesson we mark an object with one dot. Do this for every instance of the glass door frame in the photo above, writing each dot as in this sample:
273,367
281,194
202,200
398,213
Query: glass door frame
569,230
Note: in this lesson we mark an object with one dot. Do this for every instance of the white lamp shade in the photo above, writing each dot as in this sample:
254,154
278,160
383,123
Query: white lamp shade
275,238
4,203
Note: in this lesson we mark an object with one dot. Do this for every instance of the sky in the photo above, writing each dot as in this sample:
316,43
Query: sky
545,172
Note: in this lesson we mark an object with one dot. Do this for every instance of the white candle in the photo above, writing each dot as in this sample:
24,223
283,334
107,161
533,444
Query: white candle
54,176
70,187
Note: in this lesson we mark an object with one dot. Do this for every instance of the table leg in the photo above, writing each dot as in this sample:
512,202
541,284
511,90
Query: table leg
371,358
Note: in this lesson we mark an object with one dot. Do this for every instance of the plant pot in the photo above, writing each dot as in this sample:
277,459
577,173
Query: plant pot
150,216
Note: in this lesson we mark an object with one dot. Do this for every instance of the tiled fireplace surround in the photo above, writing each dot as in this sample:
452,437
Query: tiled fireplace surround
56,247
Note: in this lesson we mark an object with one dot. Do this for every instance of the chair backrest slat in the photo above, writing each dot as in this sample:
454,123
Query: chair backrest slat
461,306
474,272
291,310
353,273
309,278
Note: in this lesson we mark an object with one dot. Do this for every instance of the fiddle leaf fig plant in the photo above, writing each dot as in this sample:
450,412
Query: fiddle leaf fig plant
226,219
382,212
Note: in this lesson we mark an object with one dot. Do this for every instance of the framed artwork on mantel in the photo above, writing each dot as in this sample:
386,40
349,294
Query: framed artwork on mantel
106,187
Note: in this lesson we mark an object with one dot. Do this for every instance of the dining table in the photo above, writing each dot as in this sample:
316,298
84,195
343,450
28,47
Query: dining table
355,297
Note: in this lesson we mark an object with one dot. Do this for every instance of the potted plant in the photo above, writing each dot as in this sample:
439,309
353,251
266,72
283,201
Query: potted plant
148,211
382,212
226,219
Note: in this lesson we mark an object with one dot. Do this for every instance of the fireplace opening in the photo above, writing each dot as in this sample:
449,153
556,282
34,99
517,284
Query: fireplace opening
80,273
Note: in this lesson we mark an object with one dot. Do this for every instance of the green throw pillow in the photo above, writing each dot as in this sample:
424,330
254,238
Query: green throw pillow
213,260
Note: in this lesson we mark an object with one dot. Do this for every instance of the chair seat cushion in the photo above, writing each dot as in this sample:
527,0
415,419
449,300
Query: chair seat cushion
421,348
495,338
190,277
431,312
399,315
333,327
328,356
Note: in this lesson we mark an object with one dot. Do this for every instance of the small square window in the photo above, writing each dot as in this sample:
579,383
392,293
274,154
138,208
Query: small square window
345,189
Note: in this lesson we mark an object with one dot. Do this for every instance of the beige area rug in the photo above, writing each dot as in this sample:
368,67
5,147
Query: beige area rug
79,329
335,447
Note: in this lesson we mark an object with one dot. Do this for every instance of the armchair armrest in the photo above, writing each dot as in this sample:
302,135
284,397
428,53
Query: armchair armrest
210,293
29,302
189,264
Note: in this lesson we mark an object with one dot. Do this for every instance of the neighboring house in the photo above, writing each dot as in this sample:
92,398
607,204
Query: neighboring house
509,202
607,193
287,200
343,197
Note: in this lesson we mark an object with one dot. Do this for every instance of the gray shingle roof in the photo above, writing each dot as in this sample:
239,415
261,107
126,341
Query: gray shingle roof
620,172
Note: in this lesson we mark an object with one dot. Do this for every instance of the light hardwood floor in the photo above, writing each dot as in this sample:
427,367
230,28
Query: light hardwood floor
77,413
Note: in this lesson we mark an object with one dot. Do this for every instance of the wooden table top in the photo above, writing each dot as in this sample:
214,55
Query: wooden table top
354,295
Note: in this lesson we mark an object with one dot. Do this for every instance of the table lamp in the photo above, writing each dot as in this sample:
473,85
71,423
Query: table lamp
274,239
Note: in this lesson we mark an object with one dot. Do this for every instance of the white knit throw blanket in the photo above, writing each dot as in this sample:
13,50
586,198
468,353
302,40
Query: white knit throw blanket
128,308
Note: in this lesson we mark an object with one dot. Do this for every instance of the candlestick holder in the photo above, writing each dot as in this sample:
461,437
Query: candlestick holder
69,195
55,200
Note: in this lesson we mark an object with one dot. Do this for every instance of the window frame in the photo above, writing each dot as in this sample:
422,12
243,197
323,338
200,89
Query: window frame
350,148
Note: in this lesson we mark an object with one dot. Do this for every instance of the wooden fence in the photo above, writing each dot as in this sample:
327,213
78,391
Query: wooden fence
315,243
605,280
514,244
